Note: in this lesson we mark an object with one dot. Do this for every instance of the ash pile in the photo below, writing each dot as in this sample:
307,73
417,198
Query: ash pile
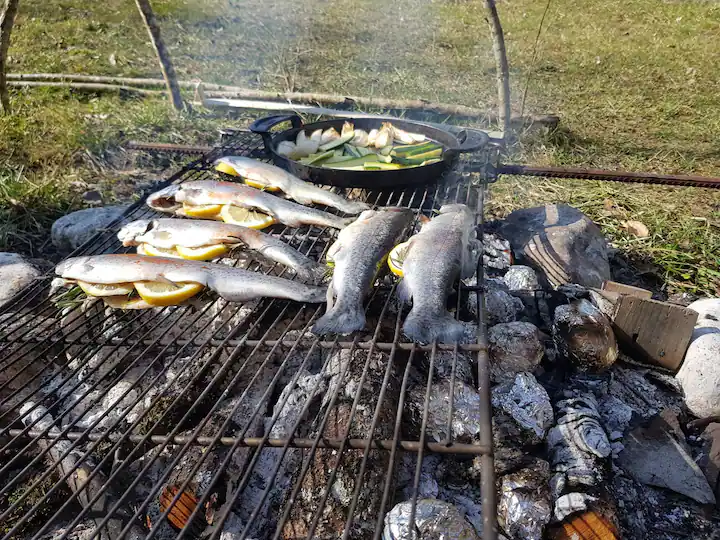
606,401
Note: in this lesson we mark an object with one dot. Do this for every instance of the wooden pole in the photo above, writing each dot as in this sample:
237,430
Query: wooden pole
501,65
163,55
7,19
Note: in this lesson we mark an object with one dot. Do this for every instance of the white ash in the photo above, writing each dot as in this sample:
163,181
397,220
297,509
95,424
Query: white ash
428,486
465,422
577,445
521,278
434,520
288,411
233,528
85,530
514,347
524,507
502,307
496,252
571,503
527,402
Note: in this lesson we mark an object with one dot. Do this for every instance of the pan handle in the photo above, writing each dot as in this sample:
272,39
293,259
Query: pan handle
470,140
262,126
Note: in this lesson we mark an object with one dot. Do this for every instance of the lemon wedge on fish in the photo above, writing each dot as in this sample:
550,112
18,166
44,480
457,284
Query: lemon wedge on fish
166,294
229,169
202,211
396,257
149,249
123,302
204,253
243,216
101,289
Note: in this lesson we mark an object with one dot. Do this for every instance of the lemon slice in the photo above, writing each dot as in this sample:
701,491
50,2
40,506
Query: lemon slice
226,168
100,289
166,294
124,302
243,216
149,249
229,169
202,211
204,253
396,257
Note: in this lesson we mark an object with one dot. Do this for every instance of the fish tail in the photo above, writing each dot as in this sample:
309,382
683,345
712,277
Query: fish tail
425,327
341,319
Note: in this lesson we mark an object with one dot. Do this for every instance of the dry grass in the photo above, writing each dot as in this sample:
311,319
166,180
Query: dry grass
634,83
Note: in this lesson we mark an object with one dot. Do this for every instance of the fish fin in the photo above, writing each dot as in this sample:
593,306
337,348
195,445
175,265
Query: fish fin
424,327
330,296
340,320
163,279
404,293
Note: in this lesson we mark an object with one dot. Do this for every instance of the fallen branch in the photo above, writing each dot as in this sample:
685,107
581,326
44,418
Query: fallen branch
7,19
87,86
502,70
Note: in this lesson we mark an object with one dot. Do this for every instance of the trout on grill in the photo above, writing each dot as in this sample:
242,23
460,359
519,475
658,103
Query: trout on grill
359,249
169,234
266,176
443,250
233,284
210,192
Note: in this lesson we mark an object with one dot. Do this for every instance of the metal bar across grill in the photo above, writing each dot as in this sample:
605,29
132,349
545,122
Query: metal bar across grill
215,417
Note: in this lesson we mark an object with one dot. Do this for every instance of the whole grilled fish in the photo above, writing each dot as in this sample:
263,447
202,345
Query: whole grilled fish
233,284
270,176
169,233
204,192
443,250
356,253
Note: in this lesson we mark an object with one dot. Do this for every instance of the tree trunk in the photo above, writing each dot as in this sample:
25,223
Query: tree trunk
501,65
7,19
163,56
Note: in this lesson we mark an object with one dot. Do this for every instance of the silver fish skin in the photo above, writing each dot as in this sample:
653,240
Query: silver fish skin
356,253
203,192
169,233
443,250
233,284
298,190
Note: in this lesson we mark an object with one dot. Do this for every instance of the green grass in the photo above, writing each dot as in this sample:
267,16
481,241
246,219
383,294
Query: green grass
634,83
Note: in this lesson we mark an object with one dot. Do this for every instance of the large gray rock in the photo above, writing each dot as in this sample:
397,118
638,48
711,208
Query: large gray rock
657,455
584,335
15,274
699,375
561,241
514,347
76,228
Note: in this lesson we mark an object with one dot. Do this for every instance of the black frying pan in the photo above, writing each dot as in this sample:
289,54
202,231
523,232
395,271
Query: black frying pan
468,140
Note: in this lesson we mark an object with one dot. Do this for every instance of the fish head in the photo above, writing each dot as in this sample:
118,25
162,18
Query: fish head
166,199
129,233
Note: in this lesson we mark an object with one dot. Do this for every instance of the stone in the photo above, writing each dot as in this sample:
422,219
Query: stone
656,455
76,228
585,336
514,347
699,376
15,274
521,278
709,461
560,241
707,309
502,307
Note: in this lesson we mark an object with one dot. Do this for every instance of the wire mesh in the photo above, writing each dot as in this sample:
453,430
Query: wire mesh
217,417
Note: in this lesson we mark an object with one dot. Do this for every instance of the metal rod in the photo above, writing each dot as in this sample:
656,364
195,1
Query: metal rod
611,176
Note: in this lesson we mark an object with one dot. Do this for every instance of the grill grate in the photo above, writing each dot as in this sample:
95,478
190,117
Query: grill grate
192,420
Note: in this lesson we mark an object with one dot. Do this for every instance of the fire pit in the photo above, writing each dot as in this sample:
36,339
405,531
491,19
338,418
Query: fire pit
232,420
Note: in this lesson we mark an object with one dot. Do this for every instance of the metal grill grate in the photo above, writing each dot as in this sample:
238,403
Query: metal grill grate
214,417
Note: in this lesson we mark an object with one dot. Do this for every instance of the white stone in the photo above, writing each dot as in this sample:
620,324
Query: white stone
15,274
707,308
699,376
76,228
